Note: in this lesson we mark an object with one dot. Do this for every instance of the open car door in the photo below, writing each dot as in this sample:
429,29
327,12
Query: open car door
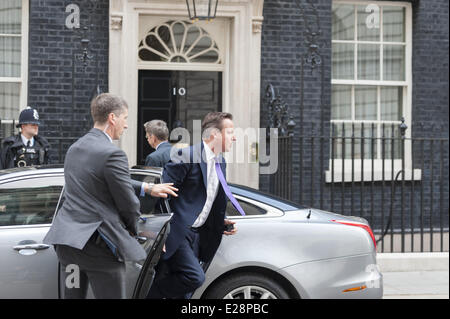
153,229
147,274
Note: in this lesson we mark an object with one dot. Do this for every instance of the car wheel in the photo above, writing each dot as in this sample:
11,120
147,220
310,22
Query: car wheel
247,286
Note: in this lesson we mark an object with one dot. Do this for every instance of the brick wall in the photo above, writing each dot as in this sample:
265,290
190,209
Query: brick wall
430,68
305,90
58,84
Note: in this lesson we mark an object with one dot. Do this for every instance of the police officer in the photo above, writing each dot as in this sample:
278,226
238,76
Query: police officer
26,148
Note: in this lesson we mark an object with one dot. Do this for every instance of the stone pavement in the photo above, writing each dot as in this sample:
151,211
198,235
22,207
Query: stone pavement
416,285
415,275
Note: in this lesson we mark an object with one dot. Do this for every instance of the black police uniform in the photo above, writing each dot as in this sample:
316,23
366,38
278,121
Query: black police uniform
15,154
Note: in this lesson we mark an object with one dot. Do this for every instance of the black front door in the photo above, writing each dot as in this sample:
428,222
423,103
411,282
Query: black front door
176,97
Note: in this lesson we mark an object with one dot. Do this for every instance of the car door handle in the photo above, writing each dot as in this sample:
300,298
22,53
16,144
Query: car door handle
141,239
31,246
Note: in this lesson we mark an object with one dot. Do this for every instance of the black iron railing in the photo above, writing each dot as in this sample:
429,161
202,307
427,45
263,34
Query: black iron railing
281,180
398,183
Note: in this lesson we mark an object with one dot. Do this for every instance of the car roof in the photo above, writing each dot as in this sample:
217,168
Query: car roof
153,169
56,169
266,198
240,190
21,171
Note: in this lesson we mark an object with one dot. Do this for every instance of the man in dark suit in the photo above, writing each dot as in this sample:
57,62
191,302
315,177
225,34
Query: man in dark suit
96,226
157,135
198,220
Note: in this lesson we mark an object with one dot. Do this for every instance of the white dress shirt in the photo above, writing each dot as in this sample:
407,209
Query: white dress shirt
212,186
107,135
25,140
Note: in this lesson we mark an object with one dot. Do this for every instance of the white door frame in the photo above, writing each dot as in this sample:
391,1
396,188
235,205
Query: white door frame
241,75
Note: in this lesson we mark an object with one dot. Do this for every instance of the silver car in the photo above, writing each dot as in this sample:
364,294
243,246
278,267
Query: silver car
281,250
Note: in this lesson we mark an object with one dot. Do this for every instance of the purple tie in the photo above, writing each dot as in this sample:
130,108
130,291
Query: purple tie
225,187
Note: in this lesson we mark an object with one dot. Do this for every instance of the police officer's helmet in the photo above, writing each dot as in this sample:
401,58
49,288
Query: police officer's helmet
28,116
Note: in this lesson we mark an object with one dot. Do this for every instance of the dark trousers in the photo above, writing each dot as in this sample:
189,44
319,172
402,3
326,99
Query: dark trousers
180,275
96,265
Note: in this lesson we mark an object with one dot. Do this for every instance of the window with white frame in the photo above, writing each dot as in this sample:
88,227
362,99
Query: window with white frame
371,78
13,58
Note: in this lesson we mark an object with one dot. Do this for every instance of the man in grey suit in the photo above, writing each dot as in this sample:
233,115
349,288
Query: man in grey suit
96,226
157,135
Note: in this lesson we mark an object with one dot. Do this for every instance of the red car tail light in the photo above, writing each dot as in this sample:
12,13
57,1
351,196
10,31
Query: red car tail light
365,227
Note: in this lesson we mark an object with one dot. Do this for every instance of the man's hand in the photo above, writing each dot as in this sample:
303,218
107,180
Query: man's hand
162,190
229,222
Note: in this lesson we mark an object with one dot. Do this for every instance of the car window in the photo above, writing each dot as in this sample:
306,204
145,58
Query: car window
28,206
249,209
149,205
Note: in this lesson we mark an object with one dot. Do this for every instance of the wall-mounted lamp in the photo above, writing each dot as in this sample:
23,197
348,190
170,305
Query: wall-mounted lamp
202,9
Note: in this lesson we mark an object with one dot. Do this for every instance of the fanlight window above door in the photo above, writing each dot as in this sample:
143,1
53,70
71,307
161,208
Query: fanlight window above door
179,42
